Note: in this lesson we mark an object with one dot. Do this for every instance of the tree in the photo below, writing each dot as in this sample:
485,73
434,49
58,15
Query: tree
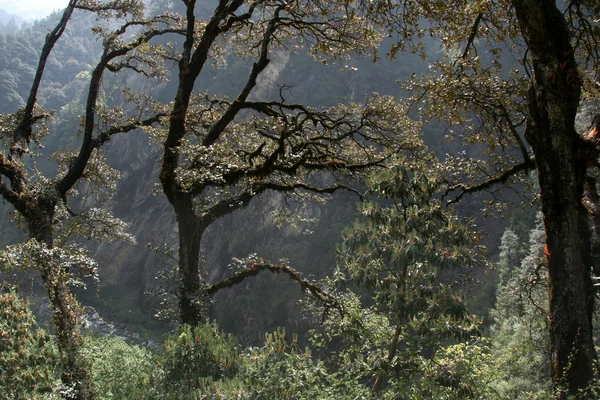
220,154
41,202
408,253
524,113
562,158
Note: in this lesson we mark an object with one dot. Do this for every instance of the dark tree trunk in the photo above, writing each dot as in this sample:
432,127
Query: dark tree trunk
65,310
553,100
190,235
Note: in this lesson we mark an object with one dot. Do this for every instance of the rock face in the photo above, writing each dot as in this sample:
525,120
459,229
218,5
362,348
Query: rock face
94,323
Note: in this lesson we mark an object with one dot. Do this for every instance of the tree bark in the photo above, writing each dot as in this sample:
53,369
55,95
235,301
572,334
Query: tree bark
553,100
190,235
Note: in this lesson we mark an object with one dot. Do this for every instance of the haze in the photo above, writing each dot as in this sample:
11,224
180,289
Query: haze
32,9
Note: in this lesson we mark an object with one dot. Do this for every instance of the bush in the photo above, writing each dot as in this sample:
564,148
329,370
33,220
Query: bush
120,370
196,357
29,360
281,370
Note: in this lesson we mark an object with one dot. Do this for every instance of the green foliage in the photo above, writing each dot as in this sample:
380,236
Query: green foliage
356,344
401,254
404,249
281,370
461,371
29,361
358,351
196,356
120,370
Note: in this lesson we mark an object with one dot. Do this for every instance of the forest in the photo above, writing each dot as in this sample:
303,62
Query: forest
301,199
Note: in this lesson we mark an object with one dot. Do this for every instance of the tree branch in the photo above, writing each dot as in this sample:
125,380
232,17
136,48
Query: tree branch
258,67
240,201
191,64
319,190
14,172
23,129
499,179
328,300
77,168
514,133
107,134
472,35
11,196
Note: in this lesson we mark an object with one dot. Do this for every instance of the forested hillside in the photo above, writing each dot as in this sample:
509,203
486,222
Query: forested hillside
300,200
